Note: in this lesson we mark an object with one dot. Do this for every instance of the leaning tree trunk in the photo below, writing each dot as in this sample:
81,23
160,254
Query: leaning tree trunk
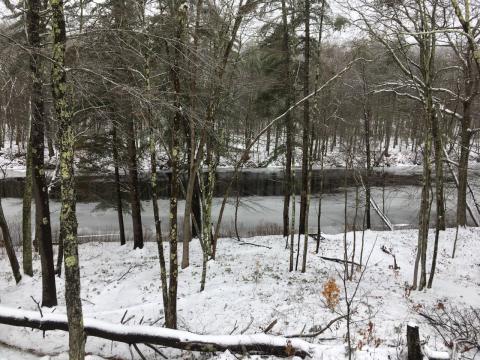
68,218
158,225
37,136
7,240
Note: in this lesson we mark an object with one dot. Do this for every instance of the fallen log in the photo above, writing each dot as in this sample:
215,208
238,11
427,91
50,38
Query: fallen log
136,334
379,212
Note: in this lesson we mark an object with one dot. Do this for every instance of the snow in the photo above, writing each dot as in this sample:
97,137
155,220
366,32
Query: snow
248,287
438,355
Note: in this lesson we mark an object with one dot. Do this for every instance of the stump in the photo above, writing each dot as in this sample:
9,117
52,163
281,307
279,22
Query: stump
413,343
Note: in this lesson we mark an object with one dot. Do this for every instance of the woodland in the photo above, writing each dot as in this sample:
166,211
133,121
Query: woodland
168,108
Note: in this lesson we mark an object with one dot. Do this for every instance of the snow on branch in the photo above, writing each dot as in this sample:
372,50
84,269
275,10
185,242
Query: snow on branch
134,334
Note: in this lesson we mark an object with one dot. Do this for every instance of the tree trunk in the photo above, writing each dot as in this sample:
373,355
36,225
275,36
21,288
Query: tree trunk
423,225
463,165
158,225
368,165
171,316
413,343
7,240
134,190
439,192
27,213
42,208
68,218
306,126
176,120
118,190
288,185
196,209
292,227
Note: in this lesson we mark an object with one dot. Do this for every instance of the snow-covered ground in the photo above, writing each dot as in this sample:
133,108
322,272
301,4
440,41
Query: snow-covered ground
248,287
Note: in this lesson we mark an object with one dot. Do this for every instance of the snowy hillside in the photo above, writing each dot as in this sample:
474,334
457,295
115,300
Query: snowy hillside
248,287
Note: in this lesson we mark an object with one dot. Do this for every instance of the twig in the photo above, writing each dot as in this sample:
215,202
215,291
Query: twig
153,323
156,350
38,306
123,317
270,327
125,273
247,327
139,352
235,327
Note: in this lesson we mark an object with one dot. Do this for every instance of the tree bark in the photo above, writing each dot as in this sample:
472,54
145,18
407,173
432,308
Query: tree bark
176,120
42,208
413,343
368,165
306,126
158,225
27,213
68,218
288,183
463,165
7,240
134,190
118,191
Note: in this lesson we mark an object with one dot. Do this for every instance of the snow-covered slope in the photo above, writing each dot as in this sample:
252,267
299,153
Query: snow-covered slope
249,286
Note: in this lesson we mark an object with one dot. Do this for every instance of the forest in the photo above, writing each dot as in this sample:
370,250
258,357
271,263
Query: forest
239,179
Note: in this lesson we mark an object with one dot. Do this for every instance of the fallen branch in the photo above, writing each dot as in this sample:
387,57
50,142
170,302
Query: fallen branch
319,332
341,261
252,344
252,244
379,212
382,215
315,237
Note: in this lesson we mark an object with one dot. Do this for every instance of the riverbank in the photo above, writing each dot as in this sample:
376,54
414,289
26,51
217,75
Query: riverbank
248,287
